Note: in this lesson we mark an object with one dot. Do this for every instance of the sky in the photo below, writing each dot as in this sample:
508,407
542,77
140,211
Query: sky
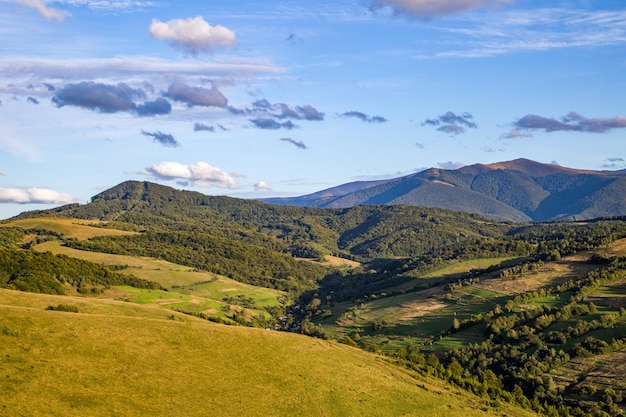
260,98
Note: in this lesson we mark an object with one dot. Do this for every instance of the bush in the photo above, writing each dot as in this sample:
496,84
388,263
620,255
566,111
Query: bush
64,307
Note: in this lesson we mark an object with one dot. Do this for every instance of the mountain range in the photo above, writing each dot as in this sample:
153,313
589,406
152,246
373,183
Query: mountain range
520,190
528,314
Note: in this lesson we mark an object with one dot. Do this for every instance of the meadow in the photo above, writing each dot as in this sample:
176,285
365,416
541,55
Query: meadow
553,305
123,359
189,290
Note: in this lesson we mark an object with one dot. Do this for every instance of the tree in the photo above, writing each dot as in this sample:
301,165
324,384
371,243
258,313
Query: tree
456,324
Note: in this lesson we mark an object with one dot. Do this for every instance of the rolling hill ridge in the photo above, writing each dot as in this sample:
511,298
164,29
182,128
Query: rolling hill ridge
520,313
519,190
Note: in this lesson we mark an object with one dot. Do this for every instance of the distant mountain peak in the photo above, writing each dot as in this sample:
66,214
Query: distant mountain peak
527,166
517,190
522,165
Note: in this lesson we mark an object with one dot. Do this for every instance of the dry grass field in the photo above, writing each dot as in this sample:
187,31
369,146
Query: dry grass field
76,228
115,358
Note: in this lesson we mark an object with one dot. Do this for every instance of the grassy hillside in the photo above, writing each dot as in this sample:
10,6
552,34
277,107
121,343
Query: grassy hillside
507,311
187,289
113,358
556,330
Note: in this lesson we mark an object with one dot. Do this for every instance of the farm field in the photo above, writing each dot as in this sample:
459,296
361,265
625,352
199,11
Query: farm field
413,317
75,228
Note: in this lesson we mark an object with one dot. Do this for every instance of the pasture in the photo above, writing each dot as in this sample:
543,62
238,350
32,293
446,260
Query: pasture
115,358
189,290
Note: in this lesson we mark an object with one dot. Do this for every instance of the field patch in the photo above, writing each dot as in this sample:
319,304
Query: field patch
73,228
551,274
336,261
189,290
601,372
617,248
463,267
612,295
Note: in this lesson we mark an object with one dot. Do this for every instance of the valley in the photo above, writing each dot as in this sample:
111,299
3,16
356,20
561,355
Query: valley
510,316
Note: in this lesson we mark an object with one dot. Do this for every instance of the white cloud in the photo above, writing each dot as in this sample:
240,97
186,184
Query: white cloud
450,165
34,196
262,186
193,34
200,174
47,12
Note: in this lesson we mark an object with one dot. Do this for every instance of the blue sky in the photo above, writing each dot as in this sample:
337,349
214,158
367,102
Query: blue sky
282,98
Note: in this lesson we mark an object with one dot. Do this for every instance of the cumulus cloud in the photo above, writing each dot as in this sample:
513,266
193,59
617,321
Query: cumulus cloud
272,124
34,196
262,186
364,117
164,139
105,98
153,108
200,174
196,96
108,98
294,142
265,109
47,12
452,123
193,35
428,9
572,122
32,100
308,112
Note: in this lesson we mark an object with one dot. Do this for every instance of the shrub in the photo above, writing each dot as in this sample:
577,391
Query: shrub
64,307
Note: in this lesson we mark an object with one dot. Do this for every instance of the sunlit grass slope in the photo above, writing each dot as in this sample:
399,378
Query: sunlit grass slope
190,290
114,358
76,228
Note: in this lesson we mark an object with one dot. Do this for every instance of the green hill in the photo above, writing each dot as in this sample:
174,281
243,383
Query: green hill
113,358
519,313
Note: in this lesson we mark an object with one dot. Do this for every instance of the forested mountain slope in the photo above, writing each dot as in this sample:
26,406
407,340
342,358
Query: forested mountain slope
519,190
363,233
